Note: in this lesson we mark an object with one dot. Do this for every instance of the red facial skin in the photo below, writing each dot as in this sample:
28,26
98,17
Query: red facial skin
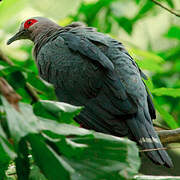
29,23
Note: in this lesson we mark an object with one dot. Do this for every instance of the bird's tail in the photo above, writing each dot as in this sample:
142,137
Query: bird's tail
143,131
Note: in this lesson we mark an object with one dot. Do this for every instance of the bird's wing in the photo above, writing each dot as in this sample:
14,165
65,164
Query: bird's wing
120,53
82,45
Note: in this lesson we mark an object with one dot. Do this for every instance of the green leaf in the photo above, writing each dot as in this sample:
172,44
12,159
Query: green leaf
173,32
61,129
20,123
147,60
168,118
170,3
22,161
16,79
6,153
149,65
6,70
100,157
86,155
6,147
46,90
59,111
97,156
51,164
173,92
144,9
125,23
90,10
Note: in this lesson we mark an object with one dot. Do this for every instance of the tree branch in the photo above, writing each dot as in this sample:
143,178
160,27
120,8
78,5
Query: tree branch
166,8
28,87
8,92
169,136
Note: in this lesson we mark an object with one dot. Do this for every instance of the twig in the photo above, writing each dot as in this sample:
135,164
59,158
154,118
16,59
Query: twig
28,87
8,92
31,92
157,149
166,8
166,137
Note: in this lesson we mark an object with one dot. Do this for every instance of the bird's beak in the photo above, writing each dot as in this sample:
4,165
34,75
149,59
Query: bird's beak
19,35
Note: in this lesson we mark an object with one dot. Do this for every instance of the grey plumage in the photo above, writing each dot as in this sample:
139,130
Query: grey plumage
93,70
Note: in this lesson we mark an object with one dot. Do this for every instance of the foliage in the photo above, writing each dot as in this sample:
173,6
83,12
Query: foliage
73,152
43,139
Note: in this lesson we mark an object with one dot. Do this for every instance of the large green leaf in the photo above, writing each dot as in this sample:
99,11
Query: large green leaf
61,128
174,92
20,123
69,152
59,111
98,157
50,163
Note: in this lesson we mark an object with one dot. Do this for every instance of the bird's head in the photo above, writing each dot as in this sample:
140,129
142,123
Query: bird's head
32,27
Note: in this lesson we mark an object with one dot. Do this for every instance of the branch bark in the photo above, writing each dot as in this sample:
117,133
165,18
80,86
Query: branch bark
169,136
28,87
166,8
8,92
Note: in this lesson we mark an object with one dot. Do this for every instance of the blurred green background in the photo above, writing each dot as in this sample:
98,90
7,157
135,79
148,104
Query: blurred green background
150,34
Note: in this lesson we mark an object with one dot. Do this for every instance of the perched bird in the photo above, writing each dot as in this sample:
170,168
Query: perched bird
91,69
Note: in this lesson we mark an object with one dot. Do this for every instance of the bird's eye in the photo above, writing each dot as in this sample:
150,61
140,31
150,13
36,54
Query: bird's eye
29,22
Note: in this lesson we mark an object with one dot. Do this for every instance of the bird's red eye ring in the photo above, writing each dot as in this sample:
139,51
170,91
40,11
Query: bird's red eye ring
29,23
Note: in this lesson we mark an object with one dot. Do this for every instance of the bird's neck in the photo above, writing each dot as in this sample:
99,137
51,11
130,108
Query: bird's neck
45,33
42,37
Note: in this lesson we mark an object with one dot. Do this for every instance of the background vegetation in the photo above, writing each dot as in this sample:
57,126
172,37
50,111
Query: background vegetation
36,137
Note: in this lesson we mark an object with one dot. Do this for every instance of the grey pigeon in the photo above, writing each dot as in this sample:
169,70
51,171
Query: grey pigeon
91,69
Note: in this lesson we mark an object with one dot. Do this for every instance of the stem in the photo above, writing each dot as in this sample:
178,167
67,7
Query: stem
166,8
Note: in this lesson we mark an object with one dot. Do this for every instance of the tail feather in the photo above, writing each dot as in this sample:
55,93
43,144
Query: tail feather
144,133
